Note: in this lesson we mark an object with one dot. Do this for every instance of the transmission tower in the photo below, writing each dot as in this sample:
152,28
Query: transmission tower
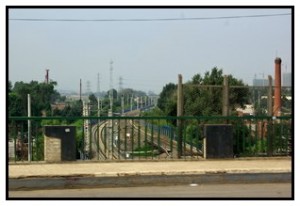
120,84
88,87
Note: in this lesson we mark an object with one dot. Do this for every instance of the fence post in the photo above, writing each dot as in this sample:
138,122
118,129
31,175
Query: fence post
179,114
225,97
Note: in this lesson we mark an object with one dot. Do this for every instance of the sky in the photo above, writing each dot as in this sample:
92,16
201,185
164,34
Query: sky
145,54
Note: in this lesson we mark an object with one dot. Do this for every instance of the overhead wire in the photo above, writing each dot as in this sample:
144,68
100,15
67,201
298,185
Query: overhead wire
150,19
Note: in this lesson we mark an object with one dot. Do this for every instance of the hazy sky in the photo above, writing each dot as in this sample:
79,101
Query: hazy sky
146,54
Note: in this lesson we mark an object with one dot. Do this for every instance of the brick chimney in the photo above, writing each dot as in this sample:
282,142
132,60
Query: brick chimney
277,92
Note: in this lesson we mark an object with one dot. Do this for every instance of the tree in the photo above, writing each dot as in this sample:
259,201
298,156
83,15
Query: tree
203,95
238,96
167,99
42,95
93,104
114,93
15,106
202,101
74,109
126,92
9,86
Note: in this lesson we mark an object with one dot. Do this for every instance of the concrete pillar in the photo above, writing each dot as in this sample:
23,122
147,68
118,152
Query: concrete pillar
179,114
225,101
277,92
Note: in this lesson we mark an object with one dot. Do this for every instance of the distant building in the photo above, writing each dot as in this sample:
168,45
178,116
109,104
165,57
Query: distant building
58,106
260,82
286,79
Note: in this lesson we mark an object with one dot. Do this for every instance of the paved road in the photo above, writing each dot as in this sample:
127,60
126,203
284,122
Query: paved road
278,190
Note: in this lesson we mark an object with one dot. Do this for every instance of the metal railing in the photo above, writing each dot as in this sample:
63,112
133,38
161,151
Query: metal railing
151,138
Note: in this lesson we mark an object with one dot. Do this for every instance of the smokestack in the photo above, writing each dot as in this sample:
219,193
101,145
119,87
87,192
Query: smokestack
47,76
277,93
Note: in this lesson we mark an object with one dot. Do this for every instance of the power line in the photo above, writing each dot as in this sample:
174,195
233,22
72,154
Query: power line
159,19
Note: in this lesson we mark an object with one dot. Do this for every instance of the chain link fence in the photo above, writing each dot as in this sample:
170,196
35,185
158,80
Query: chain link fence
203,100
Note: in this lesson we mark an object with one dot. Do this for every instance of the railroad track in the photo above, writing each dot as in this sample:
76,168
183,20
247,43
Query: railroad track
130,135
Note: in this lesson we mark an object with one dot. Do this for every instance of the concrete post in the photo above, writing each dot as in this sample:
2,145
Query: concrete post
29,127
87,132
109,136
225,107
122,105
179,114
131,101
98,109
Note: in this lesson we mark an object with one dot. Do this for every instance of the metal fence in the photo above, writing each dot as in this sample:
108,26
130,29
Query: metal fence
151,138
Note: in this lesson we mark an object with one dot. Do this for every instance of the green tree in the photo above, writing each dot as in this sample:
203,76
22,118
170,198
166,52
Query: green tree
114,93
9,86
93,104
126,92
42,95
93,100
203,95
74,109
167,99
15,106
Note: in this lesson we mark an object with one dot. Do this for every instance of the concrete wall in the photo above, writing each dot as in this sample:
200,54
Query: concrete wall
59,143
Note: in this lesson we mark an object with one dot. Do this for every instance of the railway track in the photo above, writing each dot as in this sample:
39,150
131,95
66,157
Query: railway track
128,139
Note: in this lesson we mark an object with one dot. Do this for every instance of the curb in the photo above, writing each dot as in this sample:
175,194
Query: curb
130,180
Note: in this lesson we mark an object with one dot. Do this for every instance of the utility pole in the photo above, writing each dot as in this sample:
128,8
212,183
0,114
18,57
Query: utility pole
110,113
29,127
179,114
98,128
111,85
131,101
99,109
98,85
122,105
120,84
80,90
